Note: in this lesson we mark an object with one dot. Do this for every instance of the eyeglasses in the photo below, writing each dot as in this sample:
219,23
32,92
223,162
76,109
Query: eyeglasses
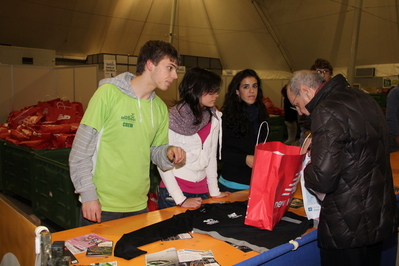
323,71
294,106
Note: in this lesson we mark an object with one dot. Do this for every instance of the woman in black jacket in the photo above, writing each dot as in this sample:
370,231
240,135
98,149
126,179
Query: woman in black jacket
243,112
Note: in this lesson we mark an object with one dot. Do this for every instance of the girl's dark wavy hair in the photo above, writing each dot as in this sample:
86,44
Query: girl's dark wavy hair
197,82
234,114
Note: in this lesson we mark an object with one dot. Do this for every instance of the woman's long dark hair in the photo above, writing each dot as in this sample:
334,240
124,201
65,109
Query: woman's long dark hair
197,82
234,109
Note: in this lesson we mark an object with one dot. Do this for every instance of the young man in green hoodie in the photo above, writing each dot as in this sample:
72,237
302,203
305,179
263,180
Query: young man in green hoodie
124,127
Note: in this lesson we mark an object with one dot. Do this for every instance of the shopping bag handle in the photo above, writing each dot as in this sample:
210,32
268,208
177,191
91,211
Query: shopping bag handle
306,143
47,97
260,127
62,104
58,105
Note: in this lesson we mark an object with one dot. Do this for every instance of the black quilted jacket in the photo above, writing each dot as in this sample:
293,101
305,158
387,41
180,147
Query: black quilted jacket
351,164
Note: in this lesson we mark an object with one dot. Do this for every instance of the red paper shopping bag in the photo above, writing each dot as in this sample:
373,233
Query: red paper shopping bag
275,174
61,114
17,117
152,201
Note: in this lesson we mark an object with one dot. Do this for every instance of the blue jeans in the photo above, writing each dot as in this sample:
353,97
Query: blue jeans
165,200
109,216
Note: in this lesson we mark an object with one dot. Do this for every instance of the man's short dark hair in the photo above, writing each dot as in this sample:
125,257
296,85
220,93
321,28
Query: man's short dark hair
322,64
156,50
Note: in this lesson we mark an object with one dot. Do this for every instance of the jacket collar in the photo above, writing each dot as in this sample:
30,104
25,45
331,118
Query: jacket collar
337,82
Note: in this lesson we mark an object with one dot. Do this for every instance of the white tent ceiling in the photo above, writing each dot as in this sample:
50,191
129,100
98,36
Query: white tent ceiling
272,35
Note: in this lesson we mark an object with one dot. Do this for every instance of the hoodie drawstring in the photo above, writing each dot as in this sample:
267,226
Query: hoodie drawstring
152,116
152,113
141,117
220,137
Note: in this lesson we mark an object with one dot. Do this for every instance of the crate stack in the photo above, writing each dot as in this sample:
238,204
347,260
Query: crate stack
35,144
277,128
52,190
41,177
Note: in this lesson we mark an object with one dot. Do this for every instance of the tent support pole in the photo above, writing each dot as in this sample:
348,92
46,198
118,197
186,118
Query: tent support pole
172,21
276,39
213,32
397,13
355,40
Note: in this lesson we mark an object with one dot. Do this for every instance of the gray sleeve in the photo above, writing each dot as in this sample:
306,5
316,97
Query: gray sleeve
81,162
158,157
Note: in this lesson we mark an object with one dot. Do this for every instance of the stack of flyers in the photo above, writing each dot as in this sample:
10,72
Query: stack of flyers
82,243
112,263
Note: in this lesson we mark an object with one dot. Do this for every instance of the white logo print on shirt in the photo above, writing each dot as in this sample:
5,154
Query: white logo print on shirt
210,221
233,215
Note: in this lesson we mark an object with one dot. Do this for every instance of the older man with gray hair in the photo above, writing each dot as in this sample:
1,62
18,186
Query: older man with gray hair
351,165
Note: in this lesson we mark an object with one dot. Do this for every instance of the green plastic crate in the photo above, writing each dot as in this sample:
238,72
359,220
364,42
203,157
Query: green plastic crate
381,99
16,170
278,121
1,162
276,133
53,192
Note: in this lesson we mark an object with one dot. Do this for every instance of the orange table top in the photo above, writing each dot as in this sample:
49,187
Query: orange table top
395,167
224,253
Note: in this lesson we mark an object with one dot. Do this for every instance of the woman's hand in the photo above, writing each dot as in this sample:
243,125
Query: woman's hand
192,203
222,195
176,154
249,160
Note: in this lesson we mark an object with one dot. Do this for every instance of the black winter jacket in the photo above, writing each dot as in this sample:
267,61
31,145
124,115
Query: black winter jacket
235,150
351,164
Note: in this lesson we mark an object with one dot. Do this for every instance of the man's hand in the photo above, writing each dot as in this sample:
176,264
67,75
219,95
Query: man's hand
91,210
176,154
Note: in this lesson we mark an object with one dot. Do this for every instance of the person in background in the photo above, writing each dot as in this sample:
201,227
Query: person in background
125,125
392,115
290,118
350,165
325,69
195,127
243,113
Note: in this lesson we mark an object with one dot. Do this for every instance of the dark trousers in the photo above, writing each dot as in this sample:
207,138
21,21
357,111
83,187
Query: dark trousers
109,216
165,200
363,256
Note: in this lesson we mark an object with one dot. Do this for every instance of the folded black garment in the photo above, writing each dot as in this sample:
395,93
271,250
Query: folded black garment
224,221
126,245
